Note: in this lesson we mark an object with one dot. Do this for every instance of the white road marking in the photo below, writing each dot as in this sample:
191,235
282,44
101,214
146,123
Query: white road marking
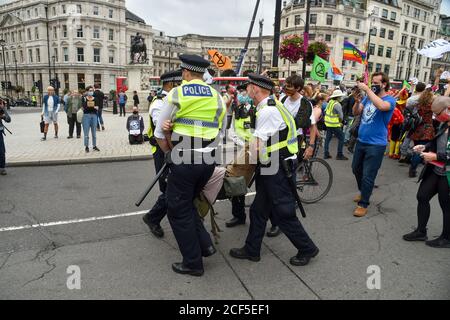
75,221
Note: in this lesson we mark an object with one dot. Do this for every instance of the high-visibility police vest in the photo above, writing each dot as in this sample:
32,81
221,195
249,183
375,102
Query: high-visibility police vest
288,137
200,110
331,118
239,128
151,129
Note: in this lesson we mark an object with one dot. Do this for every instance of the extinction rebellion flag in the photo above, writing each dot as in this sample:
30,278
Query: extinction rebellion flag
320,69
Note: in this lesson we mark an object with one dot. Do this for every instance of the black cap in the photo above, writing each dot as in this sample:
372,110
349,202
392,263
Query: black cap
171,76
194,63
261,81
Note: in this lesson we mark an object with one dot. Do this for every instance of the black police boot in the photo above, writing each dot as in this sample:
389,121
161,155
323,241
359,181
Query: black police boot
181,269
341,157
242,254
416,235
210,251
439,243
234,222
301,260
274,232
327,156
154,228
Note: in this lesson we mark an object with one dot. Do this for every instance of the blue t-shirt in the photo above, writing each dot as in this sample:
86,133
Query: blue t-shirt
374,123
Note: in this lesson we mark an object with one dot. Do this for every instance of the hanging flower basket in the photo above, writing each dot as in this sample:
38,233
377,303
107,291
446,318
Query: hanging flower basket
318,48
291,48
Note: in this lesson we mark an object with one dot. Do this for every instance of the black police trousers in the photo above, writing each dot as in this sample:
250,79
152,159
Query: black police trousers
238,209
274,199
159,210
185,182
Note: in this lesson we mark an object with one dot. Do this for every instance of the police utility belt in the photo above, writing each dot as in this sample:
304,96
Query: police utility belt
242,113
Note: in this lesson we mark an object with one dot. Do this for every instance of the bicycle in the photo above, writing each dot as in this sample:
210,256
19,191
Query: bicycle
314,178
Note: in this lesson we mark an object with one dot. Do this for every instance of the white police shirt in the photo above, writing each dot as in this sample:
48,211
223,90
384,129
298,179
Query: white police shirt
269,122
157,106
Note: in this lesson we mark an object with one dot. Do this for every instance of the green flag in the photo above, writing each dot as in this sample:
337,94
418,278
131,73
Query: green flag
320,69
406,84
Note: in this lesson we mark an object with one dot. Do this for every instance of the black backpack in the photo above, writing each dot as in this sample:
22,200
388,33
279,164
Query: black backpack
303,117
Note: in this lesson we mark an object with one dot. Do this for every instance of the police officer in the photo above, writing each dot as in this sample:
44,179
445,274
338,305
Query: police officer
196,114
274,193
153,218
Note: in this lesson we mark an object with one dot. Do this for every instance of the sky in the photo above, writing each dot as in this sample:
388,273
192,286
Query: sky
206,17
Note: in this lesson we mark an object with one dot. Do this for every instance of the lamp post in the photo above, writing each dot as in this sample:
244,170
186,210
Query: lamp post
3,44
17,77
411,55
306,37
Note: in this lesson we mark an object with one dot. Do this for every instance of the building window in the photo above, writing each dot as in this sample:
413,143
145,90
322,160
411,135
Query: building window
29,34
21,56
54,11
414,28
372,49
387,69
391,35
416,13
328,37
382,33
313,18
329,20
112,82
111,13
55,33
405,28
373,31
408,8
420,44
358,24
80,54
388,52
36,12
111,35
64,11
312,36
80,32
356,41
64,31
378,67
20,36
287,23
95,10
111,56
30,55
384,14
404,40
96,32
347,22
426,77
55,53
66,54
98,80
79,8
96,55
36,33
393,16
81,81
380,51
38,55
432,35
298,20
66,81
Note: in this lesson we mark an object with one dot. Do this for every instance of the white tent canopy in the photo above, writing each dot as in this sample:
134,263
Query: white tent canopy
435,49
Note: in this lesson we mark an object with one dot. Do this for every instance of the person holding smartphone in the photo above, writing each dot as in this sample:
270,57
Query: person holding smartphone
90,119
435,178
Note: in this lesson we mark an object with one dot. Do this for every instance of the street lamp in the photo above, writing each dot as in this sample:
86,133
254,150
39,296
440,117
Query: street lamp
411,55
3,44
17,77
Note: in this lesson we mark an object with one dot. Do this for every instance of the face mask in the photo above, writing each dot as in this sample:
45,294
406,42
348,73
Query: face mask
90,94
443,117
376,88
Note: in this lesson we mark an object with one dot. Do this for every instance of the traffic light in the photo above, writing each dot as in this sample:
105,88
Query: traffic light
38,85
8,85
3,85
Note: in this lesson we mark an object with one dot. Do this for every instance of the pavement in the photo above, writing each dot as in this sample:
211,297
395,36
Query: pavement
55,219
24,148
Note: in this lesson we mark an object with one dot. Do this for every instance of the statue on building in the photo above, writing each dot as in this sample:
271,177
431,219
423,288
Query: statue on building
138,50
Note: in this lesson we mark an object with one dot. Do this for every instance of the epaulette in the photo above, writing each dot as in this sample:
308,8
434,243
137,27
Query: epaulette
271,102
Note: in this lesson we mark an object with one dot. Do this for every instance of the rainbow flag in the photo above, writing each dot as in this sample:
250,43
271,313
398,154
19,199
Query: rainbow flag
353,54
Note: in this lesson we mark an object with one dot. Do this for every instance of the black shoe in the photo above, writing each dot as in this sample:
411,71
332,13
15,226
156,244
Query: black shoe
274,232
439,243
242,254
87,149
78,137
342,157
209,252
302,260
412,173
96,149
154,228
416,235
43,139
403,160
3,172
179,268
69,137
327,156
234,222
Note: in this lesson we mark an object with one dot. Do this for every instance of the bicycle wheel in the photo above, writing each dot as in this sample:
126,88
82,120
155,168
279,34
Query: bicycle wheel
314,180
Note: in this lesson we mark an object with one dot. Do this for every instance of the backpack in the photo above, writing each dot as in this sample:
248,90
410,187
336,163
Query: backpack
303,116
